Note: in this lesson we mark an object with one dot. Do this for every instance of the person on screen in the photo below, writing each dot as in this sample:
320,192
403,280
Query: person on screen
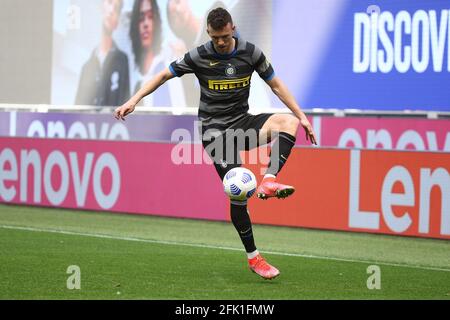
190,32
224,66
105,79
145,34
185,25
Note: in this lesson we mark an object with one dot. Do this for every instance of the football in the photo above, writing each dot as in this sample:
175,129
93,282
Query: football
239,184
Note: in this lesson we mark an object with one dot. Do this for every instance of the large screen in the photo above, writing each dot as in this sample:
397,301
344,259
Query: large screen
339,54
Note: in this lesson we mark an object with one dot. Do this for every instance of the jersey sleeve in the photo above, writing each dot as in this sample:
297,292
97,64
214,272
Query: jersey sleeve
262,65
183,65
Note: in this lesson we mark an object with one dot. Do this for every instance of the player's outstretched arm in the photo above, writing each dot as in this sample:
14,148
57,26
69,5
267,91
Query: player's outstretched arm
282,92
128,107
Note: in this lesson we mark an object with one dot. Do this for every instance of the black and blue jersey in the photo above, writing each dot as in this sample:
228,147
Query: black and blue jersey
224,79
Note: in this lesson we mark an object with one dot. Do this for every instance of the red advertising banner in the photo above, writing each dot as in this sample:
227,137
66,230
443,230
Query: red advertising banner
103,175
391,192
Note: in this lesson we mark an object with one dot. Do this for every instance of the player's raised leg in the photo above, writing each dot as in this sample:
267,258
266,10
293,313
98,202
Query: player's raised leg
282,127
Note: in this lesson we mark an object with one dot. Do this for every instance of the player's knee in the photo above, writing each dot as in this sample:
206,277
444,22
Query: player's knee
295,122
290,124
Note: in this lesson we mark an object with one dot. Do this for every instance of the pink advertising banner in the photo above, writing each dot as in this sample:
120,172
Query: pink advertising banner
383,133
133,177
362,132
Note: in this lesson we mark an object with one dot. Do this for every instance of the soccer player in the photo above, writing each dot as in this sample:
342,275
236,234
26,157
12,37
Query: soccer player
224,67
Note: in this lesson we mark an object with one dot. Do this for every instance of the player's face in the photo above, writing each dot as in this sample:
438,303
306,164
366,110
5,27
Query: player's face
111,13
146,24
223,38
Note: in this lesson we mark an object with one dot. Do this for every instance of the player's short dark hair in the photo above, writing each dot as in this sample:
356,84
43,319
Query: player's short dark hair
219,18
134,31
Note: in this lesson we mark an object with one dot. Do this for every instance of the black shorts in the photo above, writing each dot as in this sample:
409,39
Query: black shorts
223,144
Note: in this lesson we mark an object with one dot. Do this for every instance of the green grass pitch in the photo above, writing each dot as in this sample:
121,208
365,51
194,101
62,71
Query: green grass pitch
141,257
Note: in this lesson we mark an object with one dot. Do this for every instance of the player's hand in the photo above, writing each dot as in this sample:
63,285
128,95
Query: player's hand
310,136
121,112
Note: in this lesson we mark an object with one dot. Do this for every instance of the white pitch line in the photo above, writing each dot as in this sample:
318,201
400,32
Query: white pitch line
105,236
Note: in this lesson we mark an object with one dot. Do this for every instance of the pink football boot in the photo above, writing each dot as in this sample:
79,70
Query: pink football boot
270,188
259,266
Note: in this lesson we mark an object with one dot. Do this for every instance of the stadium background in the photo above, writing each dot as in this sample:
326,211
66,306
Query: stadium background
381,116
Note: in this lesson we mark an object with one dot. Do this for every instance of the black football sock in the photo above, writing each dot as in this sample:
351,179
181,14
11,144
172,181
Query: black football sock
243,225
281,150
